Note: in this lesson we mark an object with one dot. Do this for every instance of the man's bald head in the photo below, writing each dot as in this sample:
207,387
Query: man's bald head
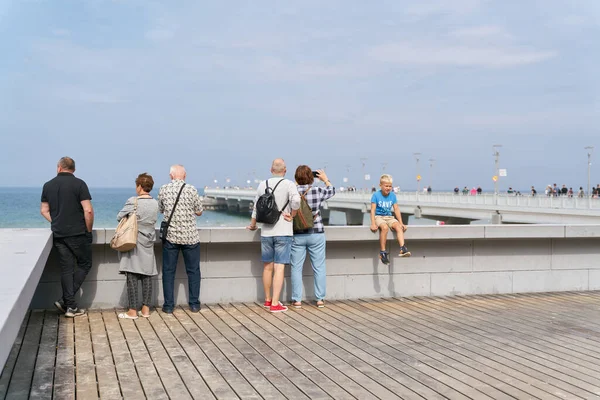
278,167
177,171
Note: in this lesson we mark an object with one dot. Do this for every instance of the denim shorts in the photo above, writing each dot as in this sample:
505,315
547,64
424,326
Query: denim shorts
276,249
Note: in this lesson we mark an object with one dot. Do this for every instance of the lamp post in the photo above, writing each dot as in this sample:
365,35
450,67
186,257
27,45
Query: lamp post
431,162
417,156
590,150
497,162
363,161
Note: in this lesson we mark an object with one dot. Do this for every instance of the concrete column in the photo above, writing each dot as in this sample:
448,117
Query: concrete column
354,217
496,219
325,216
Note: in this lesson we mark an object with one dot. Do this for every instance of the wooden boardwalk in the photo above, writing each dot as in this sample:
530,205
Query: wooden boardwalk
544,346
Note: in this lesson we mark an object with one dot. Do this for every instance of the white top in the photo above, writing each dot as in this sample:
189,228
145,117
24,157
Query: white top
285,191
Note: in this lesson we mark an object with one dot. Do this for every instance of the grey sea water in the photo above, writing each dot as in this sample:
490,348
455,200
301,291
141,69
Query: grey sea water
20,208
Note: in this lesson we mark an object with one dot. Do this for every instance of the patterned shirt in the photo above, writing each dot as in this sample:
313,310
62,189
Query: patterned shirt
314,197
183,228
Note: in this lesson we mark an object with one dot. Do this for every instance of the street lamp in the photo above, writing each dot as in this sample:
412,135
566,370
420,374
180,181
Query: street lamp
497,162
363,161
431,162
590,150
417,156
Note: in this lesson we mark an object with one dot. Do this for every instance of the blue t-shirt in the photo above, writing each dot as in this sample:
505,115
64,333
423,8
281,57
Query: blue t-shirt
385,205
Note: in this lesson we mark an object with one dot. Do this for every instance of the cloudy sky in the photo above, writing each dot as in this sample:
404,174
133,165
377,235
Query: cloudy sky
224,87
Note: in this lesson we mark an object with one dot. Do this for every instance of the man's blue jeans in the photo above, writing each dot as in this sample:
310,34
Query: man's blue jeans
314,243
191,257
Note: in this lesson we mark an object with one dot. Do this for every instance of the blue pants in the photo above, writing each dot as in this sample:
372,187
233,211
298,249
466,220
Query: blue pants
191,257
315,244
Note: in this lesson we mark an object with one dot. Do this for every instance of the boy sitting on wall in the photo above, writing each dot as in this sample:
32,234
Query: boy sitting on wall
382,203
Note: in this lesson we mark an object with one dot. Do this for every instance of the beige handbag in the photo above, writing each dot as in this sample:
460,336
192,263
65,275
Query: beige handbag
125,238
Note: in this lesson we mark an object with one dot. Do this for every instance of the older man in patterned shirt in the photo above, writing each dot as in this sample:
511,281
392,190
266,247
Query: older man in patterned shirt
182,236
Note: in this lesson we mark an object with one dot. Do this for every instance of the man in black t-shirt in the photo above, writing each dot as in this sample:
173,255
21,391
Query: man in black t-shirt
66,204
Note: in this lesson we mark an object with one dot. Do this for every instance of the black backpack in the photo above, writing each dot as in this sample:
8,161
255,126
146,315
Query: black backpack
266,207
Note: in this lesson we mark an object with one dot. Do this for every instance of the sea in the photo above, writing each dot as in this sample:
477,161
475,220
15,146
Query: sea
20,208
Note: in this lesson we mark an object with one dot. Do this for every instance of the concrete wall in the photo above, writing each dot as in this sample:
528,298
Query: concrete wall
447,260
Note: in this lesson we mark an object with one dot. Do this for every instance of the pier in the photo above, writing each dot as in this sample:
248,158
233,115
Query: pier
448,207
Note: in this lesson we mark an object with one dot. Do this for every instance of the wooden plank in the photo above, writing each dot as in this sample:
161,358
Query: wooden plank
43,376
422,341
64,371
329,387
190,376
211,341
9,366
105,366
128,379
395,379
242,356
171,379
436,376
210,375
570,330
462,325
357,384
523,337
396,314
85,370
147,373
20,383
497,354
503,334
440,361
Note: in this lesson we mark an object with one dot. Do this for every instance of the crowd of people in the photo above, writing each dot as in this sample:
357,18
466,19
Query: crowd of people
295,231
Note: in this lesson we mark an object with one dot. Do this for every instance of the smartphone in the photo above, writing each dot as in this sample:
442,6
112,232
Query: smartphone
315,174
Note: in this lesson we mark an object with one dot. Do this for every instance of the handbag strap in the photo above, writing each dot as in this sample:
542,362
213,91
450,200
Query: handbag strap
175,205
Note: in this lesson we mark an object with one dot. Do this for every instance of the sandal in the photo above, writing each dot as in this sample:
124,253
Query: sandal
320,304
143,315
126,316
297,304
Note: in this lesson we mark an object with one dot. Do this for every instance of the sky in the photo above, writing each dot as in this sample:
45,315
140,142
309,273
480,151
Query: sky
131,86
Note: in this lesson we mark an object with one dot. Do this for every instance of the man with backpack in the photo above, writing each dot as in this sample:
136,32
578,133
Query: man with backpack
276,203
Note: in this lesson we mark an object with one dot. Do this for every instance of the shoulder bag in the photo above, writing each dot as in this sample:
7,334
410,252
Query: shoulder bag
125,238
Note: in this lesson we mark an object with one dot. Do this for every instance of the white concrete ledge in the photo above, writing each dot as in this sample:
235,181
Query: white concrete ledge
363,233
24,254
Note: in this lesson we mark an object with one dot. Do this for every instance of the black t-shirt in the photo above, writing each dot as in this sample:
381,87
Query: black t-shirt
64,194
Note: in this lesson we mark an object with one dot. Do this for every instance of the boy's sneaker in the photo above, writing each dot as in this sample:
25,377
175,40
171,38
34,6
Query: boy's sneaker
278,308
267,304
383,256
74,312
60,306
404,252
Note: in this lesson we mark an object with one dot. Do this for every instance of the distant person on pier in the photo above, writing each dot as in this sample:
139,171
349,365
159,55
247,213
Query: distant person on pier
67,205
384,207
276,203
311,240
570,192
182,236
479,190
429,190
474,191
465,191
533,191
139,264
456,190
564,191
580,193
